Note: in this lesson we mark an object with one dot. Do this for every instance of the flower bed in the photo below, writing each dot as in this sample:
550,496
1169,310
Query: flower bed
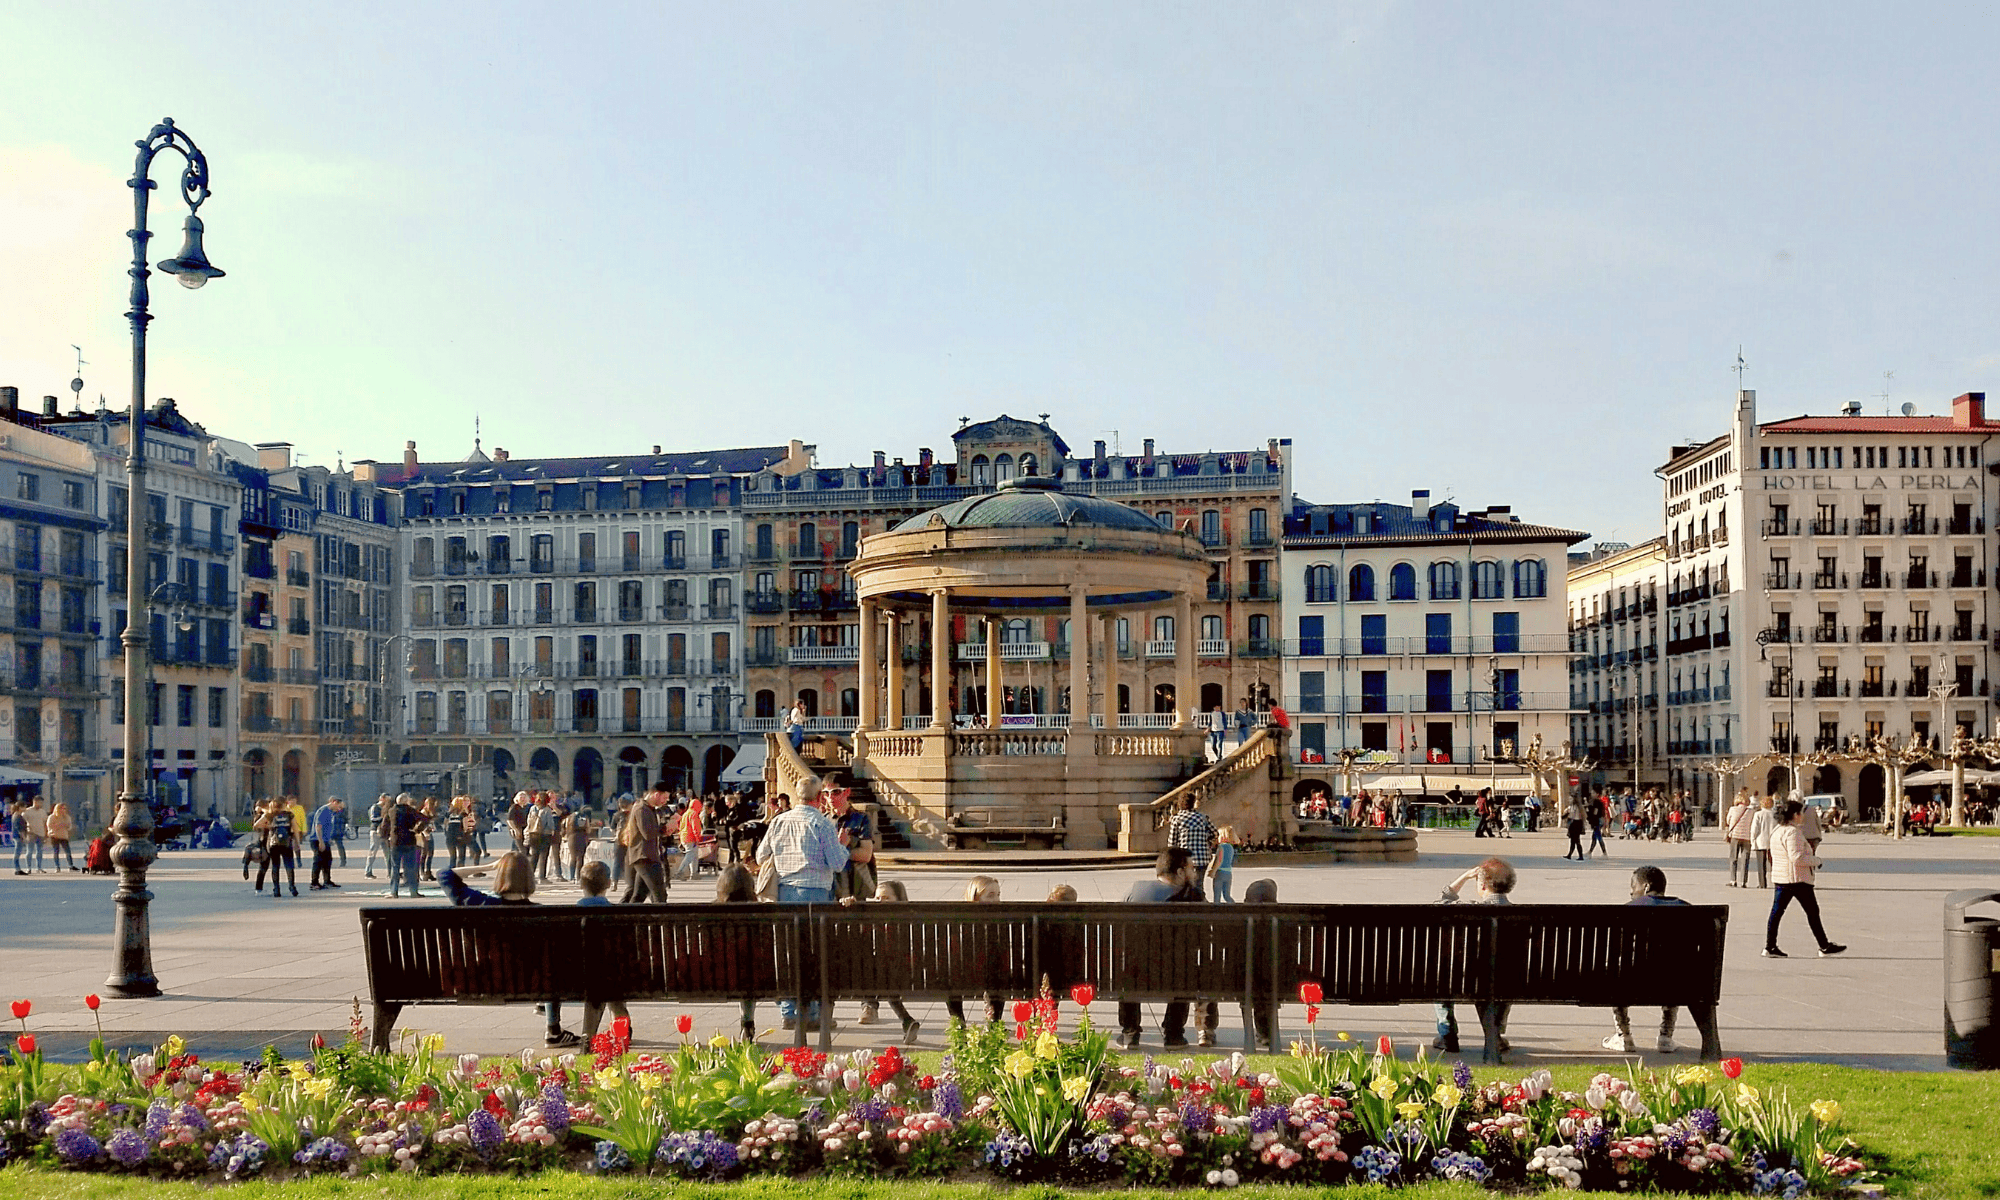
1020,1103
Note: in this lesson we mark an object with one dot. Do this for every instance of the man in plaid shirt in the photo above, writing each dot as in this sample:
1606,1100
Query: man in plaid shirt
1193,832
807,851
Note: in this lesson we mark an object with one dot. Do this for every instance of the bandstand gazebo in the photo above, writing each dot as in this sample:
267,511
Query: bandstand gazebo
1025,549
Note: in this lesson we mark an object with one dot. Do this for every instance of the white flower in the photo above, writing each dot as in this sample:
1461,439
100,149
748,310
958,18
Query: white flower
1228,1178
1214,1178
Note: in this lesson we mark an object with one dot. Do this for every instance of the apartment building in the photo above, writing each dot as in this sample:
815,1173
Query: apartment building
51,611
1840,565
805,525
279,720
574,622
1426,633
1614,596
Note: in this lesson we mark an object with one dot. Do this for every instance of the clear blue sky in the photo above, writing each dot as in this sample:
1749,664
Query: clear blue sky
1506,252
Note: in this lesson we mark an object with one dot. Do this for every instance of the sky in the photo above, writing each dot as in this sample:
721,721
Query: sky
1506,252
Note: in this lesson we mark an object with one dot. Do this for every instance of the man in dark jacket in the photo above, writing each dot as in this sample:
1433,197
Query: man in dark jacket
1649,887
1173,882
399,833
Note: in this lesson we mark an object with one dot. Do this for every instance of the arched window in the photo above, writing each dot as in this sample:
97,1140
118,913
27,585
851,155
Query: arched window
850,702
767,704
1003,468
1015,632
1166,519
1361,582
1319,585
1531,578
1444,581
810,698
1163,629
982,471
1027,464
808,540
1489,581
1402,582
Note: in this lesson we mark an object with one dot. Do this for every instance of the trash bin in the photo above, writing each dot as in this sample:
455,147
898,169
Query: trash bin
1971,979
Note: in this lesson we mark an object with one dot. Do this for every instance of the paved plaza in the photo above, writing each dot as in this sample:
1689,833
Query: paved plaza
240,969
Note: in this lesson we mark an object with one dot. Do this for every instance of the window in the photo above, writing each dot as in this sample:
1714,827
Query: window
1506,633
218,700
1260,526
1402,582
1437,633
1312,691
1531,579
73,493
1437,691
808,540
1489,581
27,486
1360,582
184,705
1319,585
1374,691
982,471
1444,581
850,539
1211,527
1374,634
1003,468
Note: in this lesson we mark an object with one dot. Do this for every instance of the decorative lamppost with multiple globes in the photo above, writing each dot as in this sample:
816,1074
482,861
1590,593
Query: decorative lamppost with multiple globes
132,950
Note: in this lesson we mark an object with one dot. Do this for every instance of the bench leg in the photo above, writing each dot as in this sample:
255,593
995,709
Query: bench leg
1711,1039
1249,1027
385,1026
1489,1024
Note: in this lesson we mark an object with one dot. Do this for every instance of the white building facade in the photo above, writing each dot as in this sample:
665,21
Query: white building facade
1615,623
1425,632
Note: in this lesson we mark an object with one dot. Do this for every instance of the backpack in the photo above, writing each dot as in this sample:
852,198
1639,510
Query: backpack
281,829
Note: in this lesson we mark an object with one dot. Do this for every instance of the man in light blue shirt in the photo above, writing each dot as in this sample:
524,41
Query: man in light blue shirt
807,851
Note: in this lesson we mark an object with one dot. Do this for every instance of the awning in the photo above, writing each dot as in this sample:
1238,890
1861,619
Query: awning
14,777
1438,785
1940,777
748,765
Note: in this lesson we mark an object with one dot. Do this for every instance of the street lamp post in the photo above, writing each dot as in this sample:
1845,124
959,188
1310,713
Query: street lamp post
132,951
1764,639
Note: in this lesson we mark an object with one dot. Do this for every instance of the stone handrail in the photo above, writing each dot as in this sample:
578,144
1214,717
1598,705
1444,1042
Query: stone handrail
1254,753
1138,743
784,770
986,743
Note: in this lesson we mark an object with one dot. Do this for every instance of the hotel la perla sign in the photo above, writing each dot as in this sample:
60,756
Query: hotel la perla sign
1911,482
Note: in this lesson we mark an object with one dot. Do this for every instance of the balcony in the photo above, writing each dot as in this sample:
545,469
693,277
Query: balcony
1009,651
497,565
1967,527
1160,649
1968,633
260,619
1258,538
585,616
676,612
823,655
724,562
1262,648
718,612
545,616
1830,689
260,570
298,676
1779,528
1919,526
260,673
763,554
1828,526
300,625
1829,633
1261,589
1923,633
628,615
498,616
1218,591
1919,578
840,602
1968,578
1829,579
1873,579
1212,648
1872,689
764,602
1776,689
1876,634
671,562
1781,580
297,578
203,539
1784,744
768,657
1212,539
805,599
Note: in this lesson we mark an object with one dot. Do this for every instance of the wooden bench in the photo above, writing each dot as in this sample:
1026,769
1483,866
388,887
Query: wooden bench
975,828
1254,956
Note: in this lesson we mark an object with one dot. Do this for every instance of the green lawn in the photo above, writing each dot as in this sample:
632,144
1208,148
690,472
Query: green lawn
1936,1134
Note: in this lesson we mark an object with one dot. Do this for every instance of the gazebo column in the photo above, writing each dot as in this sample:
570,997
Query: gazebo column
993,673
1110,671
895,646
1184,685
869,670
941,658
1079,658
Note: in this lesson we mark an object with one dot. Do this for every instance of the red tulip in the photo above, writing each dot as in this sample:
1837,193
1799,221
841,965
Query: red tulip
1312,1014
621,1028
1083,994
684,1023
1732,1067
1384,1046
1310,993
927,1082
91,1002
1023,1011
494,1105
25,1043
21,1009
318,1039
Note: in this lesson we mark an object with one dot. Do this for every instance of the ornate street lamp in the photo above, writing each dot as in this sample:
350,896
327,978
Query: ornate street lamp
132,950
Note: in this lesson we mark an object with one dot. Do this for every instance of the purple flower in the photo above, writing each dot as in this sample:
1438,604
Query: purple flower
483,1128
1268,1119
191,1117
947,1101
700,1153
815,1115
158,1117
555,1108
1705,1120
869,1112
75,1147
128,1147
1195,1118
1461,1076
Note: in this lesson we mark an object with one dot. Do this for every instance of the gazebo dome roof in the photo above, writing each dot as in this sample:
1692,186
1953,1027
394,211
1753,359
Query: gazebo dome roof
1030,502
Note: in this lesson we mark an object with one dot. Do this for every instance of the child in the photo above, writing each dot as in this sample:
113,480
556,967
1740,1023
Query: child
1224,862
889,891
980,889
596,880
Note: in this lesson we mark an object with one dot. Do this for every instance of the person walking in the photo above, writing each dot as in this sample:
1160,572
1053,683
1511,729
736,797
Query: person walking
1596,812
325,820
38,831
857,878
1222,867
1173,882
693,826
399,833
1482,810
17,828
281,833
1244,720
62,827
1649,890
1736,835
795,725
1494,881
1573,822
376,812
1762,822
804,851
1218,728
542,824
577,828
1193,832
644,856
1792,867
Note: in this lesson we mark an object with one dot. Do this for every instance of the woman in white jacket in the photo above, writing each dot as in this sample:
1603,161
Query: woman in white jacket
1792,864
1736,832
1761,824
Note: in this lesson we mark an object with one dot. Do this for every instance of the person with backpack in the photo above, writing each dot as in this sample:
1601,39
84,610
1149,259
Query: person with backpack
541,824
281,832
399,833
376,812
577,828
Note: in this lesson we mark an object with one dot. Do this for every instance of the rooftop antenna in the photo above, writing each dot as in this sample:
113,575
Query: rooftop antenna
1117,447
340,461
76,385
1740,368
475,433
1887,378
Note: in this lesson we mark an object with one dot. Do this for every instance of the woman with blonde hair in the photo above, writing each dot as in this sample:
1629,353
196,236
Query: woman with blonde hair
513,883
61,828
980,889
1223,865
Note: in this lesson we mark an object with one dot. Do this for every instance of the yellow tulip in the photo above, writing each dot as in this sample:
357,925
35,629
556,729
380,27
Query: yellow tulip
1383,1086
1447,1095
1694,1074
1020,1064
1342,1035
434,1044
609,1078
1045,1045
1828,1111
1409,1110
1074,1090
1745,1094
174,1046
250,1104
318,1089
720,1041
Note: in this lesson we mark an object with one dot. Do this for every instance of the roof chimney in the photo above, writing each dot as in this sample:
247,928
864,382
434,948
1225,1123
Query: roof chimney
924,458
1100,450
881,460
274,456
1420,504
1149,452
499,455
409,458
656,447
1969,411
49,408
10,402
